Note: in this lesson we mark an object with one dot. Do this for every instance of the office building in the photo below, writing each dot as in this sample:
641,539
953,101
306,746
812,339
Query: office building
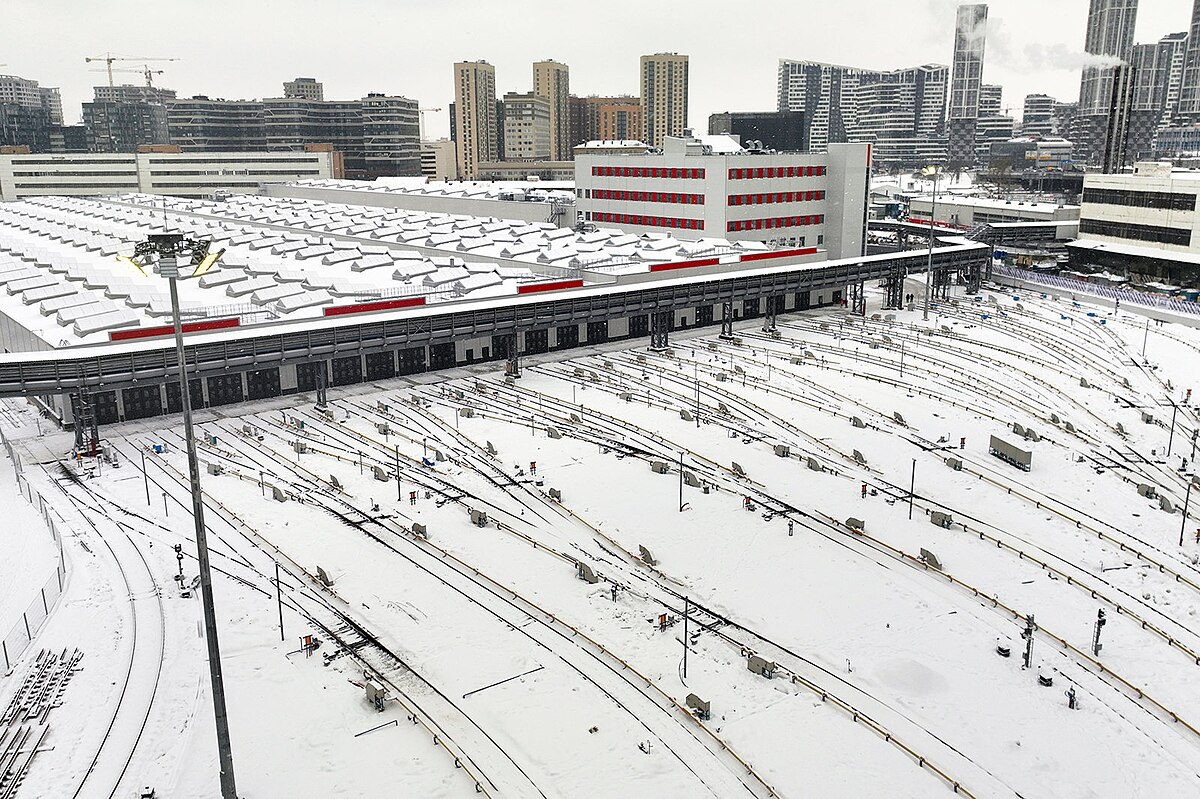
710,187
527,127
377,136
1141,223
122,127
23,126
1108,42
391,143
664,92
776,130
551,81
197,175
1031,151
475,132
965,83
202,124
901,112
304,89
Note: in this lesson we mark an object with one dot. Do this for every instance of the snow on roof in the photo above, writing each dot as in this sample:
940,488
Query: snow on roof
287,256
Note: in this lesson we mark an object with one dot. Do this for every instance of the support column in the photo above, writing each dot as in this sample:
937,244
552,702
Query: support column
858,299
974,277
87,431
510,352
769,320
893,286
322,384
660,328
727,319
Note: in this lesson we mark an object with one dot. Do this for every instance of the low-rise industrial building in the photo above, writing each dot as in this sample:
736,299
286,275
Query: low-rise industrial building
966,212
537,201
199,175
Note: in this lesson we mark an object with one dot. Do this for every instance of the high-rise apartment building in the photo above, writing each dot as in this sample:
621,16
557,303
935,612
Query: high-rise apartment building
527,127
902,112
966,78
1109,40
1116,134
551,81
28,94
1107,44
619,118
1189,89
52,103
664,91
475,132
1037,116
1157,76
304,89
127,93
117,127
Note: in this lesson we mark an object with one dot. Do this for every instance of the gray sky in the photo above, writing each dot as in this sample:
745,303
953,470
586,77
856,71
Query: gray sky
248,48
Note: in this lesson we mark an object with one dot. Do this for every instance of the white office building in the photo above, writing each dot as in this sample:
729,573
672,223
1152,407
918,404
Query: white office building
710,187
1144,222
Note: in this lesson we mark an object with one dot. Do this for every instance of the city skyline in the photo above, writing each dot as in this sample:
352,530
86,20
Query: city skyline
733,67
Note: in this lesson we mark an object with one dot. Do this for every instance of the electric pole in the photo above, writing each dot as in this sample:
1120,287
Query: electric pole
1027,634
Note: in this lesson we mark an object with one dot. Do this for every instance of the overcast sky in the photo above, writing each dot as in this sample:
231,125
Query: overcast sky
248,48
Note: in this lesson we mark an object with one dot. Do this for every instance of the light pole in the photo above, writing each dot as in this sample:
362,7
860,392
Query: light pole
1186,501
168,248
932,171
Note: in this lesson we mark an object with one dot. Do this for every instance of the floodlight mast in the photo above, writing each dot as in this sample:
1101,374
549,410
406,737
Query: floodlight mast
169,247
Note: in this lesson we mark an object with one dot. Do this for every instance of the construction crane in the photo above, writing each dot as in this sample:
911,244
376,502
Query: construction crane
149,73
422,112
109,58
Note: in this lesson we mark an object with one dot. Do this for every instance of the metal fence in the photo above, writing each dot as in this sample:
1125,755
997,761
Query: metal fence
14,643
1128,296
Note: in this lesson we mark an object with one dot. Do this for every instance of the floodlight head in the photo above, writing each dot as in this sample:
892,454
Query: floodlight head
125,259
206,262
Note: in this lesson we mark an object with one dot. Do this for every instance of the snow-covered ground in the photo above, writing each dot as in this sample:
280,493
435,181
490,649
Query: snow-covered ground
509,675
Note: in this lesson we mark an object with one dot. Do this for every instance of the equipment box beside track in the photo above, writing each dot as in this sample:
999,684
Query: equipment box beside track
1022,459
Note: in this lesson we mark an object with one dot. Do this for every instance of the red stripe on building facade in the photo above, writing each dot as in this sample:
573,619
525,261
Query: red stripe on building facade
381,305
762,256
685,264
167,330
534,288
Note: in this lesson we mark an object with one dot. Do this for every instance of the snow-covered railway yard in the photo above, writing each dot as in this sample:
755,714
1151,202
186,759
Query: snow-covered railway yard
522,563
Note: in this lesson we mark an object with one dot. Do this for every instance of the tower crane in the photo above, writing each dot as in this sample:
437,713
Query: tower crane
109,58
146,71
422,112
